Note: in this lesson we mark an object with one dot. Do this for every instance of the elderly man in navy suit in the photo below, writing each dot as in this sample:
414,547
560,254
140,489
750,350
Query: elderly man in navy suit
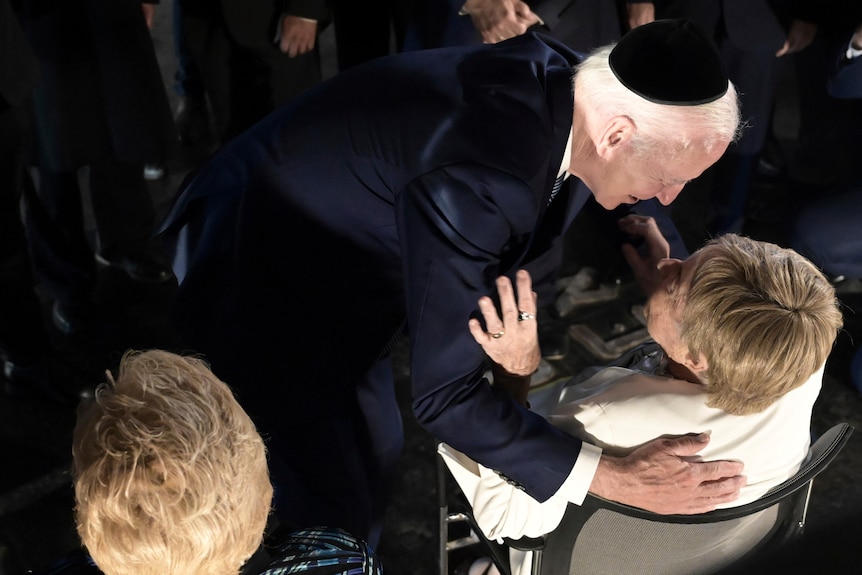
387,201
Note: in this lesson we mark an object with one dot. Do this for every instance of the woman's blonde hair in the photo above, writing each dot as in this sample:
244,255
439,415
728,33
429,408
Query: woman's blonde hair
170,472
764,317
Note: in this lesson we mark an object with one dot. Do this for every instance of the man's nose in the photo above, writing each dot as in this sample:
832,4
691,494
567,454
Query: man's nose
669,194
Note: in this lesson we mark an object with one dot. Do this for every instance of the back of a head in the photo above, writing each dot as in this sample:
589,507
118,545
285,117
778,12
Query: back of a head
764,317
170,472
668,77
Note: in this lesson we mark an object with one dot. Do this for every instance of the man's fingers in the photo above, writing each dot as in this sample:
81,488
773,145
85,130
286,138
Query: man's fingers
508,307
492,321
477,332
687,444
712,471
664,476
725,489
714,493
526,296
712,475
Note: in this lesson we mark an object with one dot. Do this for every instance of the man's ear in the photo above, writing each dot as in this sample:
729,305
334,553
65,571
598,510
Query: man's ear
618,131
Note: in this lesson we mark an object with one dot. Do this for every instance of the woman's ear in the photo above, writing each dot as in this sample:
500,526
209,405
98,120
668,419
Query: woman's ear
618,131
696,365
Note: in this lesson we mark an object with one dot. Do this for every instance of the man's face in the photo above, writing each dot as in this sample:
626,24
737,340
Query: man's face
664,308
628,178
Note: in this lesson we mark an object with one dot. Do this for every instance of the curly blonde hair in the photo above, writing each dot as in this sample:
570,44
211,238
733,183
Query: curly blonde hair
170,472
764,317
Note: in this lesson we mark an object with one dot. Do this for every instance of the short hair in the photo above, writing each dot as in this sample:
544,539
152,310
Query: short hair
764,317
661,128
170,473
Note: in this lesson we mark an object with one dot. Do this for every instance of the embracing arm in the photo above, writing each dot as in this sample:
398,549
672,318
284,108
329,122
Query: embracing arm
660,476
455,224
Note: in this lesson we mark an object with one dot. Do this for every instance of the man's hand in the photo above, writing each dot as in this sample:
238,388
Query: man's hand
645,267
512,342
498,20
297,35
661,477
801,34
640,13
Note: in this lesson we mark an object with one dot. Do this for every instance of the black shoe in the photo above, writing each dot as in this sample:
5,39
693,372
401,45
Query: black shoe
70,320
192,121
143,267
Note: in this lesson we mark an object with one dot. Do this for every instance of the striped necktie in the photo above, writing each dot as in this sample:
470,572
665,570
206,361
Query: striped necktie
558,183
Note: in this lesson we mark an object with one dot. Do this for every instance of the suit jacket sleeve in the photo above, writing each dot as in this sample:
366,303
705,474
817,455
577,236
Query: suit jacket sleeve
455,225
311,9
500,509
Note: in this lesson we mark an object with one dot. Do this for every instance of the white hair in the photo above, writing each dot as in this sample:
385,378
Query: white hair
660,127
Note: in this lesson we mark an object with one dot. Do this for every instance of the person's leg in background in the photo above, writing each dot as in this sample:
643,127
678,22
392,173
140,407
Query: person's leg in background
125,218
754,74
24,342
61,255
191,117
210,47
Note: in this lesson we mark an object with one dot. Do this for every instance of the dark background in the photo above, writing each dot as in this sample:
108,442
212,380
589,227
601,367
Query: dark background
36,524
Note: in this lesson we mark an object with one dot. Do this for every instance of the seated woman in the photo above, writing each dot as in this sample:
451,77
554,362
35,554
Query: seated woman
171,478
744,327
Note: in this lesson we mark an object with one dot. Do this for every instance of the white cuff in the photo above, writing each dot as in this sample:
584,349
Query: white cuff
277,38
576,486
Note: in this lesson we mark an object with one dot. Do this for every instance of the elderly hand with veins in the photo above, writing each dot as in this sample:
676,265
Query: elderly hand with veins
512,341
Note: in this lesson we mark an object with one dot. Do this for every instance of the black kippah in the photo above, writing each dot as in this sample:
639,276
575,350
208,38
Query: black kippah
670,62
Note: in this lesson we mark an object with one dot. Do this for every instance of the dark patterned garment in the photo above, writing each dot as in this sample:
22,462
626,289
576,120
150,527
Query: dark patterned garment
323,551
317,551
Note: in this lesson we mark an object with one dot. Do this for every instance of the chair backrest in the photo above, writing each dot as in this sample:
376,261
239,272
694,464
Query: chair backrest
603,536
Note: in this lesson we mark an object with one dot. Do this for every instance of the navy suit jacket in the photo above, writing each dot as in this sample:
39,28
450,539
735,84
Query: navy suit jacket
398,190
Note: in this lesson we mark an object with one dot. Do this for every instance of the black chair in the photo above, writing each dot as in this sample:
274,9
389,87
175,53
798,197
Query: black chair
605,537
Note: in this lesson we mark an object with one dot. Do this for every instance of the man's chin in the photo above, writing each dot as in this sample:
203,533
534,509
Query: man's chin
609,204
